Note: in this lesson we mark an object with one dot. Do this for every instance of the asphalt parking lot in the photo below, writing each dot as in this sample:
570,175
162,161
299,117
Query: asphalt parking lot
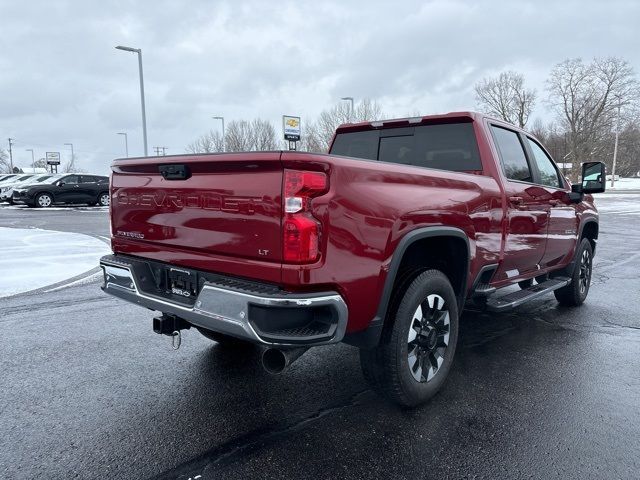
89,391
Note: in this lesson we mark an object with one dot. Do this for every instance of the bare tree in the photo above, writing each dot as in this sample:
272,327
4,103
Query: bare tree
70,166
5,166
263,135
506,97
208,143
318,135
240,136
587,99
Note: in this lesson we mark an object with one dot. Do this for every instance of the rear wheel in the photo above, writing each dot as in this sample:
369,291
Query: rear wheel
418,343
576,291
103,199
44,200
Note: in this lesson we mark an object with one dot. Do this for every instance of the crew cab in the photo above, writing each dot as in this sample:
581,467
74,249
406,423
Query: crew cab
64,189
379,244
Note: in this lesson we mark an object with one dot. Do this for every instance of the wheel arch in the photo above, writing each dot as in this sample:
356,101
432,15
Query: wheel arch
590,230
408,250
48,192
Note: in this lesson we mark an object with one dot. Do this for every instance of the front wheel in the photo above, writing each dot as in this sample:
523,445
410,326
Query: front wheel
44,200
576,291
103,199
418,343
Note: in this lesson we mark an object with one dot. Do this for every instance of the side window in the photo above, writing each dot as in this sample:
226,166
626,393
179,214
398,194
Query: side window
514,160
70,180
548,173
88,179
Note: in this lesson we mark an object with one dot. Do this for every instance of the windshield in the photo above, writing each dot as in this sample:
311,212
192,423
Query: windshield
449,146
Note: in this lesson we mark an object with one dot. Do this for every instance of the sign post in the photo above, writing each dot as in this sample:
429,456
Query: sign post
53,159
291,129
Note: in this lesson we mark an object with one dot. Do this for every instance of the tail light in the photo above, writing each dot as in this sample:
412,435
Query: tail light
301,229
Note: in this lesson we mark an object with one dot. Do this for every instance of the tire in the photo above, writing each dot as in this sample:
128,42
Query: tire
576,291
418,343
524,284
223,339
44,200
103,199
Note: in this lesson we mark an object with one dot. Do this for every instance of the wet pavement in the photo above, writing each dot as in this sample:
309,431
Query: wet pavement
89,391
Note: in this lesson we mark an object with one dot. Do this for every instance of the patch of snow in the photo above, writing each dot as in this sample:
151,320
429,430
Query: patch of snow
35,258
624,184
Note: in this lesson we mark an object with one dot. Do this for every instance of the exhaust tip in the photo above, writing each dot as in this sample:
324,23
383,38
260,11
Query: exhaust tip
274,361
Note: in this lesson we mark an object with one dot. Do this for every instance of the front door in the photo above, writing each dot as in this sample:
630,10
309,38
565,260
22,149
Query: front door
525,229
562,233
68,189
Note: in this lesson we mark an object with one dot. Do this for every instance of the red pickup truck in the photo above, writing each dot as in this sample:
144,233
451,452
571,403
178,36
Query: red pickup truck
379,244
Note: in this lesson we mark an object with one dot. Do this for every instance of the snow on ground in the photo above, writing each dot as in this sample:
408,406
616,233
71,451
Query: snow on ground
34,258
624,184
626,204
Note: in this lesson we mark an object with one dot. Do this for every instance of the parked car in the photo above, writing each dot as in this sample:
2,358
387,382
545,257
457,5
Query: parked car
379,244
71,188
16,177
6,189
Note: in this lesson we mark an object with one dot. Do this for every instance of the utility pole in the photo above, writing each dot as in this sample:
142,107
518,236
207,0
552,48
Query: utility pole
615,150
157,150
10,155
163,149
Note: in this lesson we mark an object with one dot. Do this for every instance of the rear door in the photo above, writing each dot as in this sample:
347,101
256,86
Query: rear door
562,230
87,189
527,208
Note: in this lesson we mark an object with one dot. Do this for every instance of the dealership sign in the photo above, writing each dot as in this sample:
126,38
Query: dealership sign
53,158
291,128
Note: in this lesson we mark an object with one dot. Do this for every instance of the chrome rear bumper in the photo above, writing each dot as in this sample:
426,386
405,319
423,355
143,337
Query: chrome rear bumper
315,319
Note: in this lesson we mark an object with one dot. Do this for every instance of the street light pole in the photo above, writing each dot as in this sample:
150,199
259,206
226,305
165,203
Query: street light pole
222,119
144,115
33,159
126,143
72,155
350,99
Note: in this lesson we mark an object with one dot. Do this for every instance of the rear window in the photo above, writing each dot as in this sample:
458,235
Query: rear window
449,146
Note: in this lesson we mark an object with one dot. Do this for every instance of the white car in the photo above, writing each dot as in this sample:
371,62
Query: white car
6,189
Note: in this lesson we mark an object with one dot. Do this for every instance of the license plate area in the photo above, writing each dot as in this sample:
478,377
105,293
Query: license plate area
182,284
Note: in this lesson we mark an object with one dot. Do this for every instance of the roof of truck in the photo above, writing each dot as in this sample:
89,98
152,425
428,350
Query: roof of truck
402,122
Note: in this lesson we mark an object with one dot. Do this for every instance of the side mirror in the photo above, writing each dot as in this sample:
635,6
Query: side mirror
59,183
593,177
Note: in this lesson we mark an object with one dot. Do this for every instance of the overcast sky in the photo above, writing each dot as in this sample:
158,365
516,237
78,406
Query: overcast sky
62,81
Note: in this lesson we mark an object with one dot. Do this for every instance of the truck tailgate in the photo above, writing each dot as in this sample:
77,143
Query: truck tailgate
229,205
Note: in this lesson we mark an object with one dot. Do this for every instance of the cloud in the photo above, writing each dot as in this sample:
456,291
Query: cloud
61,80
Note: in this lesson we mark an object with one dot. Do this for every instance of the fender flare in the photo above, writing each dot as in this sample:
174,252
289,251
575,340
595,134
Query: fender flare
568,270
370,336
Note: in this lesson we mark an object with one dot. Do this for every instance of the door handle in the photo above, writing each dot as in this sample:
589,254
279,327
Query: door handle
76,186
516,200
